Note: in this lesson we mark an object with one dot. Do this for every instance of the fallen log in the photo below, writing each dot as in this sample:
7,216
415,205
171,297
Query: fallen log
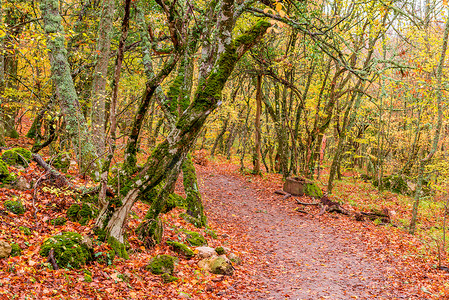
374,214
327,205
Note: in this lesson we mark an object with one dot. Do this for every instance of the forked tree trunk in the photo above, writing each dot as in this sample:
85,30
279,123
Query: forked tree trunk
169,154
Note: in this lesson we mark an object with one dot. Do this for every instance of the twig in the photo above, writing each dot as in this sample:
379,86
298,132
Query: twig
51,259
305,203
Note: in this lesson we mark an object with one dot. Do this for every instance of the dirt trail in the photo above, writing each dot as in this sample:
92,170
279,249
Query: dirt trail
297,257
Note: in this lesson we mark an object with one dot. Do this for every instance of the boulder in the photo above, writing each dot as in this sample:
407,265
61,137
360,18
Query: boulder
182,249
162,264
5,249
206,263
221,265
205,252
70,250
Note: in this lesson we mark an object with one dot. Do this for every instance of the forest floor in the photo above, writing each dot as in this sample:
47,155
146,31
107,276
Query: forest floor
291,255
286,254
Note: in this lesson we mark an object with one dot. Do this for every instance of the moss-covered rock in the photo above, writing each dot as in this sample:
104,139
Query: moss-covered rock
70,250
181,249
80,213
25,230
25,153
221,265
57,221
14,206
195,239
62,162
168,278
162,264
15,250
220,250
17,157
4,172
311,189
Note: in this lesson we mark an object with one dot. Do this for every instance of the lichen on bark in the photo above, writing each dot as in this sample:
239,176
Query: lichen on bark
74,119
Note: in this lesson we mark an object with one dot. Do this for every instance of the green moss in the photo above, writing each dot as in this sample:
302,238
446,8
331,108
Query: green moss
58,221
62,162
162,264
150,232
15,250
10,157
311,189
119,248
69,252
25,230
81,214
14,206
181,249
87,278
17,156
25,153
195,239
72,212
168,278
4,172
220,250
100,233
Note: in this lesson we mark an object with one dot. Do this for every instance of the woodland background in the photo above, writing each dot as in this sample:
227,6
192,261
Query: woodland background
332,91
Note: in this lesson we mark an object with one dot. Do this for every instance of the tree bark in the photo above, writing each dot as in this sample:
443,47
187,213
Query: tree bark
98,93
257,125
169,154
75,123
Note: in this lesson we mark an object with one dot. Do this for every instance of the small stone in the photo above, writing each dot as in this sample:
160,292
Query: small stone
234,258
205,252
5,249
22,184
185,295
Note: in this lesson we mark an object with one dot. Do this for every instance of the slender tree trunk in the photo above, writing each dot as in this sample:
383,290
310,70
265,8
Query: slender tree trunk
257,125
115,84
76,125
436,138
98,93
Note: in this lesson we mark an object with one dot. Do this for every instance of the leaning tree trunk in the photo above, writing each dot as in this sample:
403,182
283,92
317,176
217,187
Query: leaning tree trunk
76,125
169,154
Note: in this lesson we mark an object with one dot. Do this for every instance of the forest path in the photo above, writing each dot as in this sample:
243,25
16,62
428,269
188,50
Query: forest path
289,255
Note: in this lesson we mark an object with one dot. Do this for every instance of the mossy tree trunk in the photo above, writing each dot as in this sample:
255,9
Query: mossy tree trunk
169,154
195,207
76,126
